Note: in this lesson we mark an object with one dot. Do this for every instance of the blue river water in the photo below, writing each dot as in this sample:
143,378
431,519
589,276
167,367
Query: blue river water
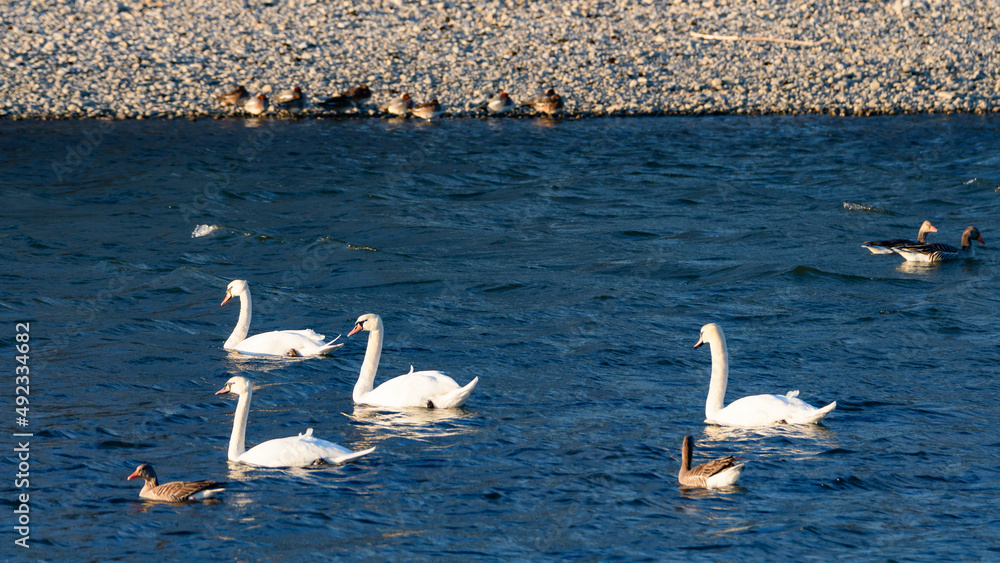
567,264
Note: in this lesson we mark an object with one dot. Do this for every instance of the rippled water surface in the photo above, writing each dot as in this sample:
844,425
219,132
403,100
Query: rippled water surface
570,266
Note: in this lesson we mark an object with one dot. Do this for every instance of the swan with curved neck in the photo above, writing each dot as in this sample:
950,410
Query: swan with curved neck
294,451
755,410
429,389
292,343
721,472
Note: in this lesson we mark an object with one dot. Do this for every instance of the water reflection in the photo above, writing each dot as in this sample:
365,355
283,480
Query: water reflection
396,122
238,364
242,472
142,506
246,473
698,493
917,267
415,424
545,121
797,440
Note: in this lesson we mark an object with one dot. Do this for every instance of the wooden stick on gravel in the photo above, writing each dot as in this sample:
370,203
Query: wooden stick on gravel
697,35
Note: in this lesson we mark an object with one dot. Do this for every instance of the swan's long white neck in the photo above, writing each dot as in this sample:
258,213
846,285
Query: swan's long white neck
243,324
237,442
720,376
373,354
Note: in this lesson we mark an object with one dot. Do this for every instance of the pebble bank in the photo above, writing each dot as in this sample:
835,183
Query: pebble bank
155,59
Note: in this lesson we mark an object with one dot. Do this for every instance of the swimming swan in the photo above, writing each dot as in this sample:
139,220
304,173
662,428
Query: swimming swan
278,343
294,451
430,389
756,410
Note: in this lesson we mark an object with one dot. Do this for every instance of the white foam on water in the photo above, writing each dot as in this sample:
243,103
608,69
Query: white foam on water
203,230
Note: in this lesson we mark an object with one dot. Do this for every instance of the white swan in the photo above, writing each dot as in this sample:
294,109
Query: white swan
294,451
430,389
756,410
278,343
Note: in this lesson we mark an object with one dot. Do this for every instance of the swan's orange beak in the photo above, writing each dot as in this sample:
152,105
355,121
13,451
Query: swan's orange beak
980,239
222,391
933,229
357,328
133,475
699,343
229,296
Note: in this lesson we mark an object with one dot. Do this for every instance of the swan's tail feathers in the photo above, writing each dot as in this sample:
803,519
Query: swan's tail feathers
817,415
327,348
330,346
453,399
351,456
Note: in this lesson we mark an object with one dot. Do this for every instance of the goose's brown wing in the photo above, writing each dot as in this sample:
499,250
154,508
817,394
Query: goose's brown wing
181,490
714,467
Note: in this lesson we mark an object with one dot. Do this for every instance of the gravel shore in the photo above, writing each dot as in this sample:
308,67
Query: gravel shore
170,59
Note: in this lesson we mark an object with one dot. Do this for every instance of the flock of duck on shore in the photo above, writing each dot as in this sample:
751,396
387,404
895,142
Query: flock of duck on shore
435,390
293,101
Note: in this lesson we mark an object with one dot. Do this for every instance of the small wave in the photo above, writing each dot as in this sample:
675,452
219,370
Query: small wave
120,445
842,483
810,272
639,234
203,230
855,206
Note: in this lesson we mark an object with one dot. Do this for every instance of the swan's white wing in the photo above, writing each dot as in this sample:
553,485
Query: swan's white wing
283,342
308,334
414,389
769,410
297,451
456,398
